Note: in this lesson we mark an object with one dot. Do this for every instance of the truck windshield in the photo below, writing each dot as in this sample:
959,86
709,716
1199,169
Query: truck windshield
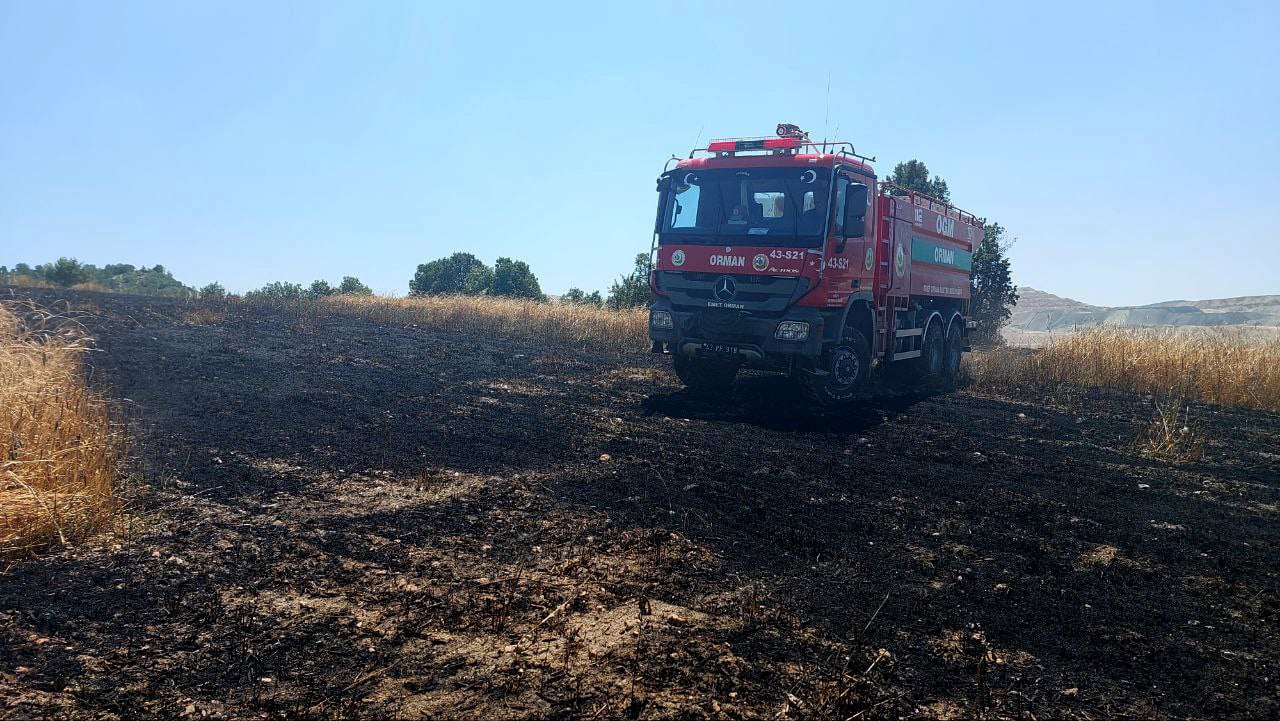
763,206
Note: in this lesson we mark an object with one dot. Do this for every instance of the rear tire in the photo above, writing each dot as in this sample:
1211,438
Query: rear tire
928,367
847,366
704,376
951,358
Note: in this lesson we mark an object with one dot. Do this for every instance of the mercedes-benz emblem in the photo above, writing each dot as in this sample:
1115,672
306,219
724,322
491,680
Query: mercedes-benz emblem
726,288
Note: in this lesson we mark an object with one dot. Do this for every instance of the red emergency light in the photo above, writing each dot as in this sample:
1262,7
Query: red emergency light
730,146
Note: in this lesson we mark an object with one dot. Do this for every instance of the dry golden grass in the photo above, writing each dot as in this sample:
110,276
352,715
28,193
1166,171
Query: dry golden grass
1172,434
564,323
204,315
92,286
27,281
58,450
1224,367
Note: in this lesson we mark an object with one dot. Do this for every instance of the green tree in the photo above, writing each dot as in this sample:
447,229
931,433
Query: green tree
320,289
991,286
630,291
577,296
914,175
443,276
22,269
479,280
514,278
213,291
65,272
351,285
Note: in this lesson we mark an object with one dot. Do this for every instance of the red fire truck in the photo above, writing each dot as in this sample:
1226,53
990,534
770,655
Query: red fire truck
783,254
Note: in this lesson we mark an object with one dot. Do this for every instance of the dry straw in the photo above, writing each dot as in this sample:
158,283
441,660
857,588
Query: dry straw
58,449
575,325
1225,367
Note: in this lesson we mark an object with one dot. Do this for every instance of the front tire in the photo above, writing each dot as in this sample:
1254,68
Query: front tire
704,376
847,366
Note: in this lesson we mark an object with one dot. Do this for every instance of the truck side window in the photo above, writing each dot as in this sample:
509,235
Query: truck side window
684,211
841,186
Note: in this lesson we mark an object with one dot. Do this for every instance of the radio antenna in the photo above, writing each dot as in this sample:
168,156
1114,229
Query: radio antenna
826,114
699,138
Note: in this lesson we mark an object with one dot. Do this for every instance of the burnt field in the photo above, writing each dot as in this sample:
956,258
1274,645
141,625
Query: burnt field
324,516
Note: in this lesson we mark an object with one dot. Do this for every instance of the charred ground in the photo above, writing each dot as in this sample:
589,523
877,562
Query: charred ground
328,516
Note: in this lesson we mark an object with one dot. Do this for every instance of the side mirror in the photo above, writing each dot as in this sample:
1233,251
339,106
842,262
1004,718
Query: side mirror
855,211
662,204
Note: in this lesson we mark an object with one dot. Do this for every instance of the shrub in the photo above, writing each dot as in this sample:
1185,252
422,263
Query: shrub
580,297
276,291
351,285
320,289
632,291
65,272
213,291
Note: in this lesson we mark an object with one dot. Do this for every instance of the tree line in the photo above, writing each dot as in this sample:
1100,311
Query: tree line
114,277
464,274
282,290
158,281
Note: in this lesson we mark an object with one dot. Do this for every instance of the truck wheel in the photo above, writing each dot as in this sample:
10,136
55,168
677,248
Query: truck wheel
951,358
704,376
847,367
928,367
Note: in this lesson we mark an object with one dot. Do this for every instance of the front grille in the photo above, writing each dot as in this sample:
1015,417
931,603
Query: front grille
761,293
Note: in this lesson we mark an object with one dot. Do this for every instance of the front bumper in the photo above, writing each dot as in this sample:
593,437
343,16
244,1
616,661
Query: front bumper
751,334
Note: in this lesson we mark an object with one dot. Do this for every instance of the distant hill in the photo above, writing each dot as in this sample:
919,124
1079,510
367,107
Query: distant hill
1041,311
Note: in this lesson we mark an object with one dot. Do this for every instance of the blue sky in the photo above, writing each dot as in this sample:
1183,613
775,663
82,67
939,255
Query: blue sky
1132,148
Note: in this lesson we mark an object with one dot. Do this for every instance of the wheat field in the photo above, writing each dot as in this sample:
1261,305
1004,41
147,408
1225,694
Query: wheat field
58,447
565,323
1226,367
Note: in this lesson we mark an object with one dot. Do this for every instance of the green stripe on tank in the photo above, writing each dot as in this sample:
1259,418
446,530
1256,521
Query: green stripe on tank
924,250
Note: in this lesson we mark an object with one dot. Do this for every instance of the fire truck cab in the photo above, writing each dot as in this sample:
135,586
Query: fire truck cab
782,254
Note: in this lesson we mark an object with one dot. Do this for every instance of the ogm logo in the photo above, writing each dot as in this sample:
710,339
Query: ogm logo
677,258
760,262
945,225
899,261
726,288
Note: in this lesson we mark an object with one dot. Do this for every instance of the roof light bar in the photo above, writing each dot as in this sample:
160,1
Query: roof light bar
731,146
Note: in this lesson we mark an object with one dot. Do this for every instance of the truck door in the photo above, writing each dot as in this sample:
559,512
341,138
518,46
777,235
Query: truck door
837,270
862,247
845,264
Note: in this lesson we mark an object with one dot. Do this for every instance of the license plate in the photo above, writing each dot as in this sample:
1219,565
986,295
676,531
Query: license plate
721,349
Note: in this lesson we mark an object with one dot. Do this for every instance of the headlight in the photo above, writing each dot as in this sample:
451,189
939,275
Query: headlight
660,319
792,330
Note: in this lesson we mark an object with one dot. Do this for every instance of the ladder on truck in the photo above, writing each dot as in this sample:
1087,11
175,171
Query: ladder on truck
888,321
